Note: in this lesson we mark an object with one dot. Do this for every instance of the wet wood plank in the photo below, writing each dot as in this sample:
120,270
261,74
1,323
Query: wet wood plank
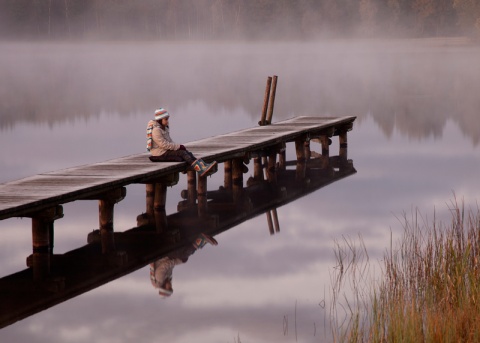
21,197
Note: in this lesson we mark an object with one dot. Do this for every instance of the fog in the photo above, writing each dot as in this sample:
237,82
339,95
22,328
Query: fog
413,85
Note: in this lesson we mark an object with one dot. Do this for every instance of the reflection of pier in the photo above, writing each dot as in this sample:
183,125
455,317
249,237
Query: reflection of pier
51,279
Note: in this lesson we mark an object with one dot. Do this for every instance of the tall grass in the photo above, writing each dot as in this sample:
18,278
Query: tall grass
428,289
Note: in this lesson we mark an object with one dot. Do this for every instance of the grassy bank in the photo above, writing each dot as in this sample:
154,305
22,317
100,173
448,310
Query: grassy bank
428,289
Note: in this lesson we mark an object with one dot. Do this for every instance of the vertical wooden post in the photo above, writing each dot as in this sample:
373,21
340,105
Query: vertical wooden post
325,145
270,223
342,139
265,102
282,158
106,225
275,220
150,198
42,241
41,248
192,187
300,151
324,140
308,152
237,179
264,165
272,100
271,168
227,179
257,169
202,197
106,205
159,207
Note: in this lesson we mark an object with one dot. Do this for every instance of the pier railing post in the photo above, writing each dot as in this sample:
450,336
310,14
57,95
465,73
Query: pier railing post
272,100
265,102
272,220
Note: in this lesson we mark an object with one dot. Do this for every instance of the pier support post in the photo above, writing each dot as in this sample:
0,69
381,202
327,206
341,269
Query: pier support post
159,207
237,180
325,145
106,205
150,203
301,160
202,197
325,141
227,179
282,158
191,187
271,168
258,169
342,139
308,152
42,240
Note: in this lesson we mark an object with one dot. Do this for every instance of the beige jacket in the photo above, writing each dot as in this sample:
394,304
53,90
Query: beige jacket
161,141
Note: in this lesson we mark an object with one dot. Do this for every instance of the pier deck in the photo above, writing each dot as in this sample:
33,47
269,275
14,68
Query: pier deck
25,197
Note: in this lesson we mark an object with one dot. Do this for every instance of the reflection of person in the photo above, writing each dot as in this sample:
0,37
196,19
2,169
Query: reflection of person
163,149
161,270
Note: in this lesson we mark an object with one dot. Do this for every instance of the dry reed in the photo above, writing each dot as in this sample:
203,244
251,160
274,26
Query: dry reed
429,289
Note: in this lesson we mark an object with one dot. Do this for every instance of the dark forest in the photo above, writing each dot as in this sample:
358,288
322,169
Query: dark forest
236,19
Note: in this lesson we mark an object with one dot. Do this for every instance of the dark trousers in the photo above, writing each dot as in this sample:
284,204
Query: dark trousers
174,156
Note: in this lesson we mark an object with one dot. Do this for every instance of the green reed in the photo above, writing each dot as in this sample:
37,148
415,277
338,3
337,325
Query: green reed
428,289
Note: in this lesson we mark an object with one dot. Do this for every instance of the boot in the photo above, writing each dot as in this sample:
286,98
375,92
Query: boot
203,239
203,168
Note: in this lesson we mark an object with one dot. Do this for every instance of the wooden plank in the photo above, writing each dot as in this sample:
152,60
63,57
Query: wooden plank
18,198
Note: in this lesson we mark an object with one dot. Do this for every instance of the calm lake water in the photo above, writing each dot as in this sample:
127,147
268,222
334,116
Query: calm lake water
415,145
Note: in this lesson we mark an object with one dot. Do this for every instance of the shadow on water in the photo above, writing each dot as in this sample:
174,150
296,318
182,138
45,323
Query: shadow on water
165,240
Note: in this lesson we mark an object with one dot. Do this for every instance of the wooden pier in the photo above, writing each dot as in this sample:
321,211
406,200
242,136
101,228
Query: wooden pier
39,196
51,278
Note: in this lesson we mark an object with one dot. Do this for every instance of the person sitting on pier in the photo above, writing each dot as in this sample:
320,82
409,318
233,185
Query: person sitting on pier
163,149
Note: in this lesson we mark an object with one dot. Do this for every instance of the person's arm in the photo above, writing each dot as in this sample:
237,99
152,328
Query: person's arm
162,140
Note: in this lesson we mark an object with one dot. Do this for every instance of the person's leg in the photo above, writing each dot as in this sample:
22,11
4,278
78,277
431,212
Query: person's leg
175,156
198,165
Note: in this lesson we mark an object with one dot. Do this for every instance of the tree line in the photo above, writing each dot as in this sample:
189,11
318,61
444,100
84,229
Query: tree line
236,19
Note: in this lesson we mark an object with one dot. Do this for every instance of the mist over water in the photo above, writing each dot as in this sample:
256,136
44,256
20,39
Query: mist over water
414,143
413,85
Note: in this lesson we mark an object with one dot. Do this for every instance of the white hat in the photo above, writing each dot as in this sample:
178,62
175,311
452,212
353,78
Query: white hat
161,113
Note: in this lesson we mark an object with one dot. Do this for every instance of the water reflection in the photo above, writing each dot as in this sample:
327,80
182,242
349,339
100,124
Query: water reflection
166,240
161,271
